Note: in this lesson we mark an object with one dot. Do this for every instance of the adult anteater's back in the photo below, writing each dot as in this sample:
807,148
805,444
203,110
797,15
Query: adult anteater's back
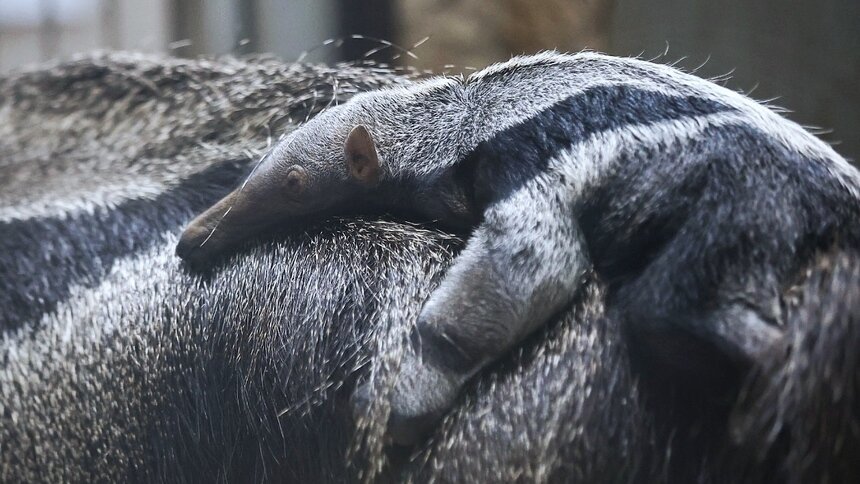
119,364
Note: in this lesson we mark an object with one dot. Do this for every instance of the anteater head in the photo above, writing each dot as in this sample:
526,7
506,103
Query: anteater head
329,163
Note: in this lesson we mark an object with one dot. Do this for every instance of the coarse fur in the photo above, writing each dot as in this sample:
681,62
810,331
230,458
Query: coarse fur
117,364
696,204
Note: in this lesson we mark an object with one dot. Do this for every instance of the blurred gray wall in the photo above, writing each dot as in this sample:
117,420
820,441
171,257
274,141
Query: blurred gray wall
804,53
37,30
286,28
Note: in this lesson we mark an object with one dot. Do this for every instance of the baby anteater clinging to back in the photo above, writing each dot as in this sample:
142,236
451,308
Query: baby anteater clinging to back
694,202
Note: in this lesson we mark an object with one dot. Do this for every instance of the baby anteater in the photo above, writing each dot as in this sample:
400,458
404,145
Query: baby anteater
696,203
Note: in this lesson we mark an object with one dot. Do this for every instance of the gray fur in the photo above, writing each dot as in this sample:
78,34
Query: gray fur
117,364
501,152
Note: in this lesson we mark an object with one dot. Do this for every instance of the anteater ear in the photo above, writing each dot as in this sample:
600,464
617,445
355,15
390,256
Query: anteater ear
361,156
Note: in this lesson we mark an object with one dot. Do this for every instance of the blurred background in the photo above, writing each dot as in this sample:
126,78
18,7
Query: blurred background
804,54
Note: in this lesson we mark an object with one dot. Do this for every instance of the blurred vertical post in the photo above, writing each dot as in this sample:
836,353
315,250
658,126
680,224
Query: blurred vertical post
186,28
248,36
373,19
110,24
215,27
49,29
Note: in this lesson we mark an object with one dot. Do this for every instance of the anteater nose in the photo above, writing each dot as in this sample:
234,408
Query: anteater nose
186,246
195,245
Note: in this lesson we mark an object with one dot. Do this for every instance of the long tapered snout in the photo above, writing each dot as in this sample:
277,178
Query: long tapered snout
274,193
237,217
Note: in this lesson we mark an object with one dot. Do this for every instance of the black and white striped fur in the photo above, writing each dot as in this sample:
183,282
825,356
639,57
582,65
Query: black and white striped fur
117,364
695,202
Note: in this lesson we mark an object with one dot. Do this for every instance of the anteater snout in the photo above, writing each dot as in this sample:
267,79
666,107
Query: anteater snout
188,242
198,244
208,234
240,215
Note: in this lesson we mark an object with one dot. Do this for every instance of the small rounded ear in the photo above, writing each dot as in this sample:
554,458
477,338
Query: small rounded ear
362,160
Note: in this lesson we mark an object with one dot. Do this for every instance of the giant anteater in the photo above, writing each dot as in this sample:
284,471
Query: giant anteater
119,364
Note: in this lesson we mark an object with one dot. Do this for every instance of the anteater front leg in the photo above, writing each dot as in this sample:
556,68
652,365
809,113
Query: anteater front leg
522,264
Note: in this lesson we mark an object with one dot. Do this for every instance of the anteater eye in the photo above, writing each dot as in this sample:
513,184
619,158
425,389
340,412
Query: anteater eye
297,179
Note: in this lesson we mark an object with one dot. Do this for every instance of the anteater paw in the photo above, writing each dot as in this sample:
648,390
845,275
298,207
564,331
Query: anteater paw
421,394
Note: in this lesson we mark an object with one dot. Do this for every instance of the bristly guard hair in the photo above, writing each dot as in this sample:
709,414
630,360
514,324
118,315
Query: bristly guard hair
118,364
